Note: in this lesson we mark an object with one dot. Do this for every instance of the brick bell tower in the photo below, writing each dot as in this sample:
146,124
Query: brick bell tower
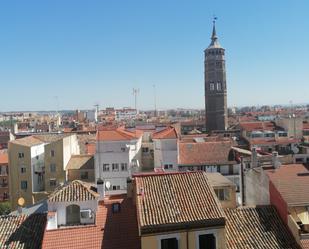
215,85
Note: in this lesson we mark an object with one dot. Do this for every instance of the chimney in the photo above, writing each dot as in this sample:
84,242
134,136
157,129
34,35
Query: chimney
100,188
275,160
254,159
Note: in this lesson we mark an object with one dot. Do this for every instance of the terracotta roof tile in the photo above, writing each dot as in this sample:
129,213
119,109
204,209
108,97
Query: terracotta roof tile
204,153
172,201
257,227
304,243
257,126
78,161
117,135
74,191
4,158
22,232
292,182
168,133
111,231
27,141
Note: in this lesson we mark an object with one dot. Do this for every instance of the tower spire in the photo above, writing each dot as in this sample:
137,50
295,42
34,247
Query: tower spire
214,38
214,34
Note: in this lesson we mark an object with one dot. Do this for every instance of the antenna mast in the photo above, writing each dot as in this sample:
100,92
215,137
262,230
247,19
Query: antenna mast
155,100
135,93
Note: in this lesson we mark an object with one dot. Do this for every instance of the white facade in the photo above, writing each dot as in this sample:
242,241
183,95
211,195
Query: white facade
115,161
125,114
92,115
70,147
37,167
59,216
165,154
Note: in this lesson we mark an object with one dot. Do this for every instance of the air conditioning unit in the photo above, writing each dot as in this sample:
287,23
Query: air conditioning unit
86,214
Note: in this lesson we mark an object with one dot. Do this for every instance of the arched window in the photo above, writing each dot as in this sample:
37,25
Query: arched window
211,86
72,215
219,86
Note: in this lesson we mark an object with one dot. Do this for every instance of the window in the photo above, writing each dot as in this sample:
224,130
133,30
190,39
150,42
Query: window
223,194
52,167
37,157
115,167
52,153
84,175
105,167
124,167
116,187
52,182
21,155
123,149
207,241
170,243
23,185
219,87
212,86
116,207
168,166
22,169
145,149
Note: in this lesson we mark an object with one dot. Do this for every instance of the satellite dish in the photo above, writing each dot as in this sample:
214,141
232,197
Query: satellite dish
295,150
21,201
108,185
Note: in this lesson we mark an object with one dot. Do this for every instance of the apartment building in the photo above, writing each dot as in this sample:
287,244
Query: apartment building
125,113
210,154
4,175
185,212
118,156
37,165
165,149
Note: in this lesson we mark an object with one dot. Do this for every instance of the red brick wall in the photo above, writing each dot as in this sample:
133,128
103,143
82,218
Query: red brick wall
277,201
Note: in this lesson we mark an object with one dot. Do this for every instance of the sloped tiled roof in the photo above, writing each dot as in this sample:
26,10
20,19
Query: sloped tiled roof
27,141
22,232
168,133
111,230
117,134
79,161
204,153
74,191
257,228
4,158
257,126
167,202
292,182
304,243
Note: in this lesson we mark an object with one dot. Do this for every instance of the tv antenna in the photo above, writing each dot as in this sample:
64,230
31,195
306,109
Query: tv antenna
135,93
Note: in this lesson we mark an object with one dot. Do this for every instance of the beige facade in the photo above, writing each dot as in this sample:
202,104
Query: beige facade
186,239
17,177
37,165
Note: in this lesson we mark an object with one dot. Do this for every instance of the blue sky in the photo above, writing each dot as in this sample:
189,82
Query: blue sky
88,52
